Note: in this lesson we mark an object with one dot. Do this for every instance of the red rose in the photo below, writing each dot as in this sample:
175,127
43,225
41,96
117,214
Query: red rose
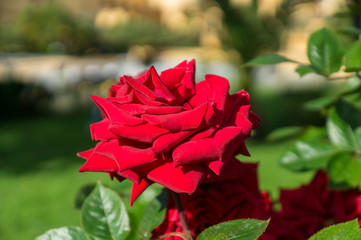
233,198
310,208
169,130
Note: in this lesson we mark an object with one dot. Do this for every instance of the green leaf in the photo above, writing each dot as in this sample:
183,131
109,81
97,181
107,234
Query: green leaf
345,168
82,194
311,133
307,155
284,132
64,233
304,69
104,215
350,30
153,215
340,133
358,136
266,59
353,58
353,86
325,51
245,229
319,103
343,231
349,112
338,185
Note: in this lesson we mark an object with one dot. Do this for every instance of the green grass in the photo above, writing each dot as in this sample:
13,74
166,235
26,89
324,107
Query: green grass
39,177
38,174
272,176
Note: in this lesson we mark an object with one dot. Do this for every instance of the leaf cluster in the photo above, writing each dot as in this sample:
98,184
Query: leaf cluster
105,217
335,147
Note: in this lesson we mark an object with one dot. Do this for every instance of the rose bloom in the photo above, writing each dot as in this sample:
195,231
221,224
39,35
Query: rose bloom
167,129
232,198
310,208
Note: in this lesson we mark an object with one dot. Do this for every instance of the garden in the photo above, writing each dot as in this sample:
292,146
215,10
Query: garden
179,150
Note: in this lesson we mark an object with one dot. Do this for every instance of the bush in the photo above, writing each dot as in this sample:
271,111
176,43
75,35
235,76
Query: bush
123,36
51,28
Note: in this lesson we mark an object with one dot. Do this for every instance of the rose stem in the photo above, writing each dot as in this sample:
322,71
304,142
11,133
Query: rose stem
182,216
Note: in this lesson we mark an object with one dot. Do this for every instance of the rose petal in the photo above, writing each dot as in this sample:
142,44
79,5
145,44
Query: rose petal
99,163
147,101
180,81
126,156
115,114
240,98
255,119
228,153
113,175
243,150
184,90
167,141
234,102
143,89
172,77
208,148
234,169
206,133
131,175
216,166
122,100
243,122
143,132
214,88
86,154
99,131
179,121
137,189
182,179
159,87
120,89
137,109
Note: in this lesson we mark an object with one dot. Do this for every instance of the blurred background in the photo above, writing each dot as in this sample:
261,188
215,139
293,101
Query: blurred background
54,54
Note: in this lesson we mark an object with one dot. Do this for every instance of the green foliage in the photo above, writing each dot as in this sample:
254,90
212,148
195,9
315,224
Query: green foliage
350,112
305,69
245,229
343,231
320,103
248,31
64,233
104,215
82,194
353,58
123,36
51,28
350,30
153,215
325,51
11,39
284,133
344,168
339,151
268,59
307,155
341,134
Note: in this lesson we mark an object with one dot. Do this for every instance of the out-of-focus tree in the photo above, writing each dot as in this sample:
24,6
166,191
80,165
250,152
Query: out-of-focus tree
251,33
51,28
140,32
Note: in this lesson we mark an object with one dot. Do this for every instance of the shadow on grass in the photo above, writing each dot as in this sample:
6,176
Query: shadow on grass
43,142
